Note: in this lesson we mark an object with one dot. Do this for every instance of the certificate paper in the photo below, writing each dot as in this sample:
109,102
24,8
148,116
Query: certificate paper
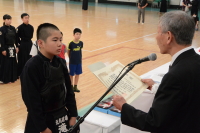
130,86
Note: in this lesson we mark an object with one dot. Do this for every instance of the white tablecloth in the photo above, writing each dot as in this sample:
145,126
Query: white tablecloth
97,122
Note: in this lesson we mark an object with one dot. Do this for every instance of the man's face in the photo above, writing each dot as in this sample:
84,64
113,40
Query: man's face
25,19
162,39
53,43
77,35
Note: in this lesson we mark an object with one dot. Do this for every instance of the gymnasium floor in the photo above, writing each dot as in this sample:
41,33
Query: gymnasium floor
110,33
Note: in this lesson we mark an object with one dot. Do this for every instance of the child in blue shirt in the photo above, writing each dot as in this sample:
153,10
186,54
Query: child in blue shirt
75,58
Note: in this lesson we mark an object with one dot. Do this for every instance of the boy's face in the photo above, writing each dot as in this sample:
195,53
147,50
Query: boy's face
53,44
77,36
8,21
25,19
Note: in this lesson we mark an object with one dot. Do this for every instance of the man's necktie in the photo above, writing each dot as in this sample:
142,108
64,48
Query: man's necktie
170,67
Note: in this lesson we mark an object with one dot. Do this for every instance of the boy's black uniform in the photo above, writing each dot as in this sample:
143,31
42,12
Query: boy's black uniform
24,36
8,68
0,48
46,91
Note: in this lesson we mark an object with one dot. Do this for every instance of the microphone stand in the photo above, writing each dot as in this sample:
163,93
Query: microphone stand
81,119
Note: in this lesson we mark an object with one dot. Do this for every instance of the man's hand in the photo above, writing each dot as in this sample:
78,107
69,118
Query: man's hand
17,50
72,121
4,53
47,130
139,7
149,82
143,7
118,101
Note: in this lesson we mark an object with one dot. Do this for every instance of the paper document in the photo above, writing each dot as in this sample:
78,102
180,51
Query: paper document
130,86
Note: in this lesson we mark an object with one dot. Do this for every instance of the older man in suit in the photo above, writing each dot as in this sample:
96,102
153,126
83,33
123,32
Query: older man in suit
176,106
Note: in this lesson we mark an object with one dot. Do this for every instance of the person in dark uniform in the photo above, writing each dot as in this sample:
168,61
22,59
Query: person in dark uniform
194,13
24,35
46,86
194,8
163,7
9,48
196,20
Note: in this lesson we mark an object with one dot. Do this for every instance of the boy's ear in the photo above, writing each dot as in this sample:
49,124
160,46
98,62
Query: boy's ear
40,43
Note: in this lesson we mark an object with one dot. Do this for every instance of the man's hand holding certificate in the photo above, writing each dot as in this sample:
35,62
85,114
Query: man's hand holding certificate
130,86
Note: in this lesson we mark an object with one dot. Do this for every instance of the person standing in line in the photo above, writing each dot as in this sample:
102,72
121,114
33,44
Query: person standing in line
24,36
9,49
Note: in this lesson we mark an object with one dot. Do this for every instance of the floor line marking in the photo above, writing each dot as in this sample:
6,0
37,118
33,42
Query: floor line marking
119,43
117,49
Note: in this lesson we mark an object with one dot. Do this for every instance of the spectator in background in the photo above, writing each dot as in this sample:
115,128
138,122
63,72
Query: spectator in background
141,10
186,5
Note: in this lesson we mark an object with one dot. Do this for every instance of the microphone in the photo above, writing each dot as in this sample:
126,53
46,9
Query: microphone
150,57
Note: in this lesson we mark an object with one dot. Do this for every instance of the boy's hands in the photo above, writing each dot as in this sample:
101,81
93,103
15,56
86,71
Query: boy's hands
17,50
72,121
4,53
47,130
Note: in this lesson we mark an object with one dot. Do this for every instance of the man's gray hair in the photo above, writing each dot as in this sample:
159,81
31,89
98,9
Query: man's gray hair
180,24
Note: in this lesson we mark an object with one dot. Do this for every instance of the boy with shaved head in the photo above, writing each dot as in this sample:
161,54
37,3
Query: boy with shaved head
46,86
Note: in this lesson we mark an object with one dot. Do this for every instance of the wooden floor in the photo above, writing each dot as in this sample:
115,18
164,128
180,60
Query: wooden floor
110,33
